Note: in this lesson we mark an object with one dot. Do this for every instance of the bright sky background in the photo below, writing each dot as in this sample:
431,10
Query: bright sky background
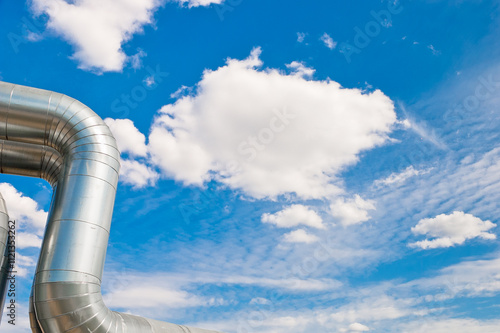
308,166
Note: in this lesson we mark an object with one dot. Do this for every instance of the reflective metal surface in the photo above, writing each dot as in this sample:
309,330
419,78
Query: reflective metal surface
55,137
4,260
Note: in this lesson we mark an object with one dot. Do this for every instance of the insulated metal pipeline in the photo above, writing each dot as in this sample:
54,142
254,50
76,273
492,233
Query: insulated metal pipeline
52,136
4,257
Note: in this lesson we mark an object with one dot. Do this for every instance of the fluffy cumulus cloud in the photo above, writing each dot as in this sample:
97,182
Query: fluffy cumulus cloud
453,229
352,211
137,174
97,29
132,143
268,133
300,236
293,216
24,210
128,137
30,223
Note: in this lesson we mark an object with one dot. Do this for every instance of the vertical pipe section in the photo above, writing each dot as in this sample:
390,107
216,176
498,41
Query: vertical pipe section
55,137
4,254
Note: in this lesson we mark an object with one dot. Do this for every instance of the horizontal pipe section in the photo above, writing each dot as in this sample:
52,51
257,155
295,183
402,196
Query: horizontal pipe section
55,137
25,159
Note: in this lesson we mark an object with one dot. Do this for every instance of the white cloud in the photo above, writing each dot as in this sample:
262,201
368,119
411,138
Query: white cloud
24,265
283,282
136,59
301,36
137,174
128,137
471,278
293,216
398,178
452,229
295,284
352,211
132,142
268,133
328,41
24,240
33,36
300,236
357,327
470,185
298,68
149,81
97,29
422,129
151,296
182,91
198,3
405,124
380,312
374,308
23,209
178,156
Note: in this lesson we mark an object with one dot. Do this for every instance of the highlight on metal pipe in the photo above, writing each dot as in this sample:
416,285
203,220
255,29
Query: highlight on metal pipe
4,254
55,137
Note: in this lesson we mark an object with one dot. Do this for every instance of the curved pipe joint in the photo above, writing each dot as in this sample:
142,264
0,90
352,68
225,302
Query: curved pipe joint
55,137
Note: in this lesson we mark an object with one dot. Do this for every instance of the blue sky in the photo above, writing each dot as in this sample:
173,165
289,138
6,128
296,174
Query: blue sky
318,166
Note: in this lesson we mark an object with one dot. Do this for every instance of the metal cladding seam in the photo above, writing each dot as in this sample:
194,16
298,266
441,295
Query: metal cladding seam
4,258
55,137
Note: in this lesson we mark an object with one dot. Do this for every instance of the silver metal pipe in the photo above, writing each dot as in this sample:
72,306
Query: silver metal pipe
52,136
4,253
